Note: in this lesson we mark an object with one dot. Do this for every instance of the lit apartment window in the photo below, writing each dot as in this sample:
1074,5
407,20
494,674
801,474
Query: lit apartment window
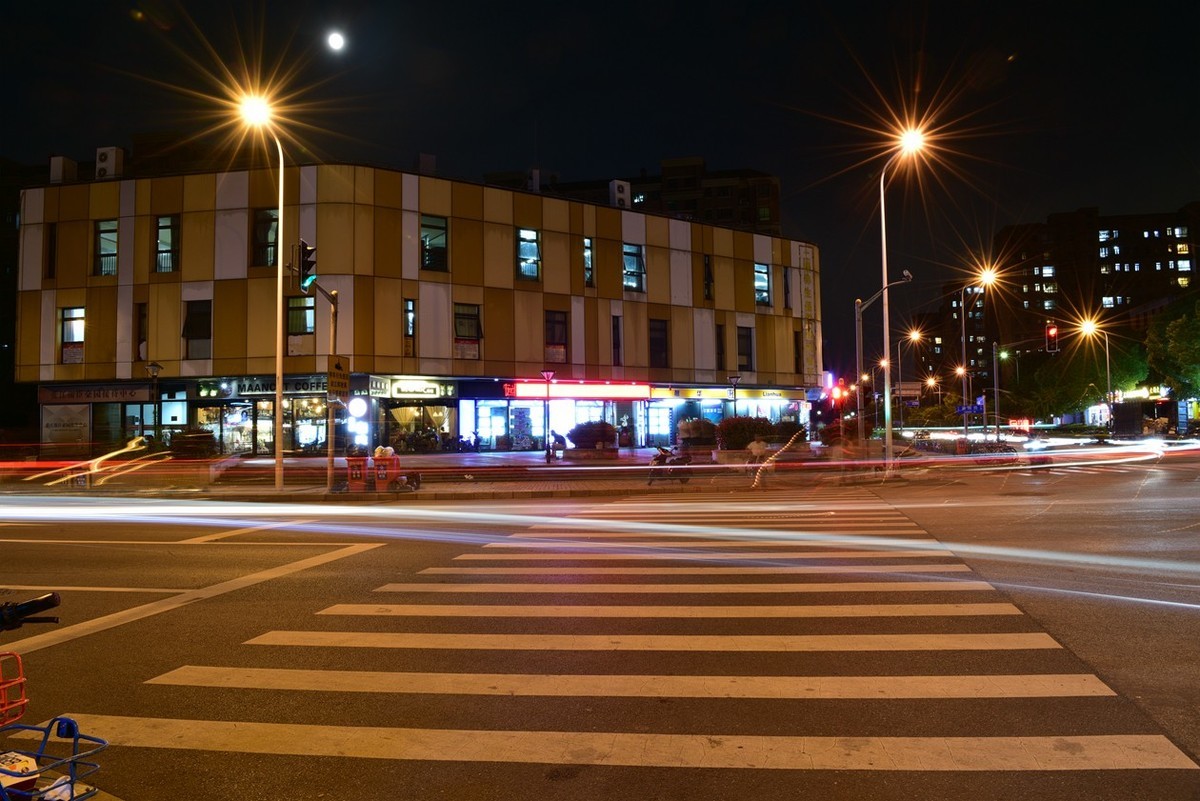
1184,265
106,247
166,244
433,243
467,331
659,350
265,237
71,335
1183,281
556,337
197,330
634,268
762,284
745,346
302,315
589,276
529,255
1048,271
410,327
1048,304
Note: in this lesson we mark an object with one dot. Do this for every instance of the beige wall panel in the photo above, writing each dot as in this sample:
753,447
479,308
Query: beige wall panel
607,263
229,313
527,333
436,196
722,242
259,322
142,250
767,329
335,239
364,185
388,296
74,253
263,188
499,255
575,211
724,296
166,195
557,262
389,189
635,324
48,206
498,324
435,321
467,201
143,196
199,192
588,214
743,286
658,232
105,201
388,233
466,251
74,203
556,215
497,206
527,210
364,246
597,329
29,329
609,224
658,274
197,235
743,245
166,327
335,183
468,294
683,346
363,321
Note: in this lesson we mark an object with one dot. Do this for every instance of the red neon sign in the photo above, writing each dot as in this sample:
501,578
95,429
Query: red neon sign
535,390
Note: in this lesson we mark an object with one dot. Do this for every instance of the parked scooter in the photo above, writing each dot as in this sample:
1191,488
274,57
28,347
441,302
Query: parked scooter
666,465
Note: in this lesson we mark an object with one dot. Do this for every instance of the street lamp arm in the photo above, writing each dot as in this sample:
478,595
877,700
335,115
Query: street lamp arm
862,304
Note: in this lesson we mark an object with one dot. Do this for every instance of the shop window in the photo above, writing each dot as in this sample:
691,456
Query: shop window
197,330
745,346
265,237
556,337
659,344
467,331
762,284
634,268
616,341
529,255
433,244
589,275
71,323
106,247
302,315
166,246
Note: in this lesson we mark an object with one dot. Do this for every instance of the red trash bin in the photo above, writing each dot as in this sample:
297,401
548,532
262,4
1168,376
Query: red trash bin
387,470
356,473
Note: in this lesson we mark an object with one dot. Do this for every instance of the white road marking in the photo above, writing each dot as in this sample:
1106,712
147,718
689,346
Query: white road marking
617,686
590,610
714,750
61,588
944,585
666,554
220,535
691,571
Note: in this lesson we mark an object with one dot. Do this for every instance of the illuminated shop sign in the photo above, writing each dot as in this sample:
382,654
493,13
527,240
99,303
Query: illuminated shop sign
129,393
293,385
419,388
725,393
577,390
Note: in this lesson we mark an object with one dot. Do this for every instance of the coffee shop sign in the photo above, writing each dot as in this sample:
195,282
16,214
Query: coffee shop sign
295,385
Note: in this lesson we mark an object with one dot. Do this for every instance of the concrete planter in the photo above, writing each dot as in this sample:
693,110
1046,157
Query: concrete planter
591,454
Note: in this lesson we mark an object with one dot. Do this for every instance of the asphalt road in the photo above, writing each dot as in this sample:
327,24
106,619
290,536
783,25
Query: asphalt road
810,641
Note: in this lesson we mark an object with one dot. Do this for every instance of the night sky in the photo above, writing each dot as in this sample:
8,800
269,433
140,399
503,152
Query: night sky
1040,107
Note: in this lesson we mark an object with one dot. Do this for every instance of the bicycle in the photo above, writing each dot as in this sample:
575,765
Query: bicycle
51,770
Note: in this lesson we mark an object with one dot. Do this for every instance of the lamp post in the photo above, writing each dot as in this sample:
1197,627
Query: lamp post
859,305
256,111
910,141
987,277
934,384
1090,328
913,337
996,385
547,376
733,380
154,368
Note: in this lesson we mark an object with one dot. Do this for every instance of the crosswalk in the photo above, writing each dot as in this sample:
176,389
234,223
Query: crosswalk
791,631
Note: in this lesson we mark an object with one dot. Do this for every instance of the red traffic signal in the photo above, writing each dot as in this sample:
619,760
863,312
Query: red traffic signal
1051,337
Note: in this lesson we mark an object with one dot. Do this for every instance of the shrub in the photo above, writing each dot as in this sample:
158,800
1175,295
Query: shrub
586,435
735,433
786,429
697,431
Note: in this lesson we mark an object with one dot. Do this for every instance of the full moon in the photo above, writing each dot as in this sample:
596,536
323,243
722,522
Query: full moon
336,41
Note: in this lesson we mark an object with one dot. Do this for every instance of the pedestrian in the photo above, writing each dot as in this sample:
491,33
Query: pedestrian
758,451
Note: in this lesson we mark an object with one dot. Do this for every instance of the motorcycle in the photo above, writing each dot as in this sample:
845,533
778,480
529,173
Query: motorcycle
666,465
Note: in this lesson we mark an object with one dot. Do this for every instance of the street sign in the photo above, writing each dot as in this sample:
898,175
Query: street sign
339,377
973,409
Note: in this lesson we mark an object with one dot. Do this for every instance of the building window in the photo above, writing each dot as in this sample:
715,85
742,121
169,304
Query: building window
720,347
762,284
1048,304
659,344
589,275
166,246
1183,281
71,335
1185,265
556,337
634,270
708,277
616,341
197,330
745,346
467,331
1183,249
787,291
410,327
141,331
529,255
51,266
1048,271
433,244
302,315
266,237
106,247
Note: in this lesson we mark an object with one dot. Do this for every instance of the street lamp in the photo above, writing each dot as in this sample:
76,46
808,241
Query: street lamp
547,376
154,368
1090,328
933,385
914,337
859,305
256,111
910,141
987,277
734,379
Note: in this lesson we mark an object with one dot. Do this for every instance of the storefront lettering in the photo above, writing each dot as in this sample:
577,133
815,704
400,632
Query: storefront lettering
306,385
137,392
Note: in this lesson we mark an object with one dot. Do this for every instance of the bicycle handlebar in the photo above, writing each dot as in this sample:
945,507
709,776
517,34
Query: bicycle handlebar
14,615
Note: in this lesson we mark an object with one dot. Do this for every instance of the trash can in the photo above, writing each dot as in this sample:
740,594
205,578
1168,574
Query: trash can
387,470
356,474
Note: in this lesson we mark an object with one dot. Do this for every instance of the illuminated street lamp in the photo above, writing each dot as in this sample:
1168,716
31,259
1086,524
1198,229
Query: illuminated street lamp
1090,328
986,277
256,112
914,337
859,305
910,141
733,380
934,385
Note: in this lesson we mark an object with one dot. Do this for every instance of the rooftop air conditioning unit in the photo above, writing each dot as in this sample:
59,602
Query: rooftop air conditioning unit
109,162
62,170
618,194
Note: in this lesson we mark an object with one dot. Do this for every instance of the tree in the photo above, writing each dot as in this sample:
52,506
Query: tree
1173,349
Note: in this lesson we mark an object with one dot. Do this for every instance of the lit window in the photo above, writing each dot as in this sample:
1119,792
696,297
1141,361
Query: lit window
556,337
467,331
1104,236
1050,286
1183,281
1183,248
433,244
634,268
1116,250
762,284
1185,265
529,257
1105,269
589,276
410,317
639,198
1037,270
1048,271
1048,304
302,314
1104,253
1107,301
72,331
166,247
266,234
106,247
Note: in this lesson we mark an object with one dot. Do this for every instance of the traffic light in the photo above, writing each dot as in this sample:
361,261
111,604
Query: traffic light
1052,337
308,266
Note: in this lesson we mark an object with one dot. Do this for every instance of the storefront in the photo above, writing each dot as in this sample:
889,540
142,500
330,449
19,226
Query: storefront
411,413
669,406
